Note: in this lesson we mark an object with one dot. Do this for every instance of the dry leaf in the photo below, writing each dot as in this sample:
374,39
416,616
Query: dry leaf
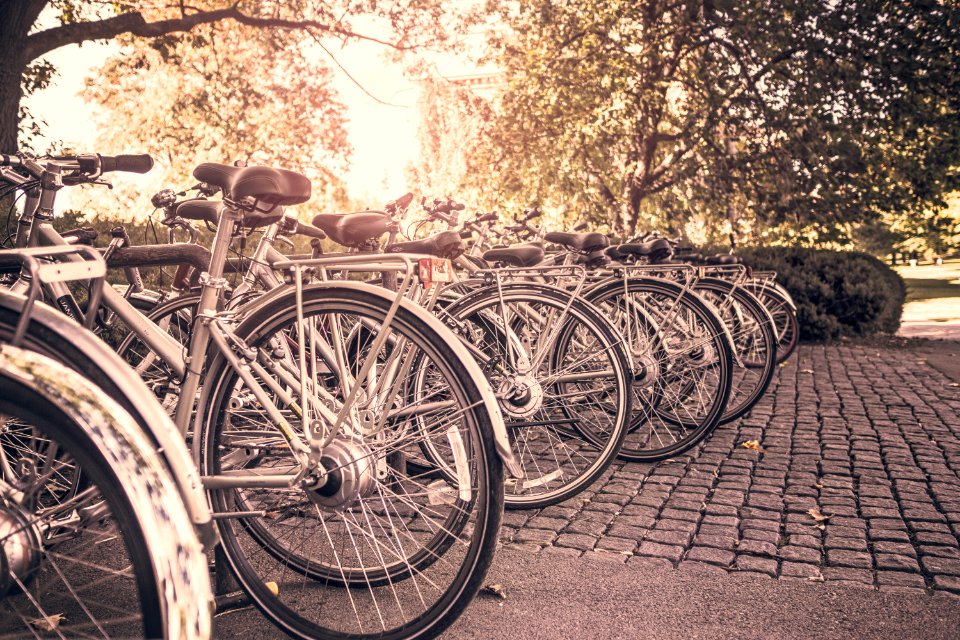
48,623
816,578
806,370
818,486
495,590
752,444
817,515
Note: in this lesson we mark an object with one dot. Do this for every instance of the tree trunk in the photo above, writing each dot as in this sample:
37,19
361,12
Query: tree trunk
10,96
16,18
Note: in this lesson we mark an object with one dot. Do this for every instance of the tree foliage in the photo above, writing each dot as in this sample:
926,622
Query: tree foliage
791,120
220,93
399,25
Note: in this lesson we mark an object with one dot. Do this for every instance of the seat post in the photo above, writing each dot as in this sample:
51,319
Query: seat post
212,280
221,240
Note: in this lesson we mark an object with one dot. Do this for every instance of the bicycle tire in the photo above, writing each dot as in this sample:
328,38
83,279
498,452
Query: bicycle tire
754,340
255,549
669,364
551,440
128,511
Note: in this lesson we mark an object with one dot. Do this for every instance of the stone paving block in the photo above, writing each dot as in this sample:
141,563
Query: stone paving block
849,574
680,538
799,570
900,579
756,564
676,525
617,545
622,531
947,583
893,562
757,548
541,537
846,558
672,553
941,566
711,556
540,522
800,554
725,542
941,552
576,541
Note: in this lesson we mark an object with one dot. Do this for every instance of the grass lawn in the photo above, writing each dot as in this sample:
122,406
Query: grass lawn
933,300
928,281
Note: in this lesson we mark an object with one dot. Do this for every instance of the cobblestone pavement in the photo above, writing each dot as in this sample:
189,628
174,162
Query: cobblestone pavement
863,434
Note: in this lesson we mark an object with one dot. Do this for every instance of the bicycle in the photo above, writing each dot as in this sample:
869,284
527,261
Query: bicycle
304,454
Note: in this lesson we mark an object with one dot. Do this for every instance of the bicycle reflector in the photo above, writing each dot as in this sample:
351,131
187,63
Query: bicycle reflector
435,270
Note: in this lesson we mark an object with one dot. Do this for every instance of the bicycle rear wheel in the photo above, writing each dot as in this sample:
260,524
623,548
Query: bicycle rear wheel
682,364
387,549
567,414
106,551
754,340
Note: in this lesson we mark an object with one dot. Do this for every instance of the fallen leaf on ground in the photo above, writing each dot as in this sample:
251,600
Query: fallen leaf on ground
752,444
48,623
816,578
818,515
495,590
806,370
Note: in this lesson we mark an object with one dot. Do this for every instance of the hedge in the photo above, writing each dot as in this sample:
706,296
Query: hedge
838,293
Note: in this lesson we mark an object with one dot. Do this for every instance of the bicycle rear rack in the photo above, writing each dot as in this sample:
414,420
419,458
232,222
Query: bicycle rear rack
42,265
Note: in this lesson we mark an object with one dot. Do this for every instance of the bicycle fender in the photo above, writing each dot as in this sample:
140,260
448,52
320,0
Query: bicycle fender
99,363
110,427
502,441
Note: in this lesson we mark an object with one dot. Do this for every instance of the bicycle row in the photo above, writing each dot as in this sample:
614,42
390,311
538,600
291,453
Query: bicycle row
345,427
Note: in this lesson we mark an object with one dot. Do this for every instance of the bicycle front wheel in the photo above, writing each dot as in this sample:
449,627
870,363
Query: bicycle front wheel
388,548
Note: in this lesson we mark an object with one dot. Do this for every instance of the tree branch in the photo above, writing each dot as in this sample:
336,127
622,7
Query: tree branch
134,23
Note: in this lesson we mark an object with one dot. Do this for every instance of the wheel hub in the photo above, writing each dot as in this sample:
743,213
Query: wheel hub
19,548
351,475
520,396
646,370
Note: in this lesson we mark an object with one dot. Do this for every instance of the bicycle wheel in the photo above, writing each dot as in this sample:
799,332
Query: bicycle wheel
567,413
754,341
175,317
384,549
106,551
784,319
682,364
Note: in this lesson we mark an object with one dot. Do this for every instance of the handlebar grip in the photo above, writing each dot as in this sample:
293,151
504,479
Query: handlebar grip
458,206
466,234
311,231
140,163
581,226
488,217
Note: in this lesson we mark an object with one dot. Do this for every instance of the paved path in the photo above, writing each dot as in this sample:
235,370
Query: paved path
868,436
721,543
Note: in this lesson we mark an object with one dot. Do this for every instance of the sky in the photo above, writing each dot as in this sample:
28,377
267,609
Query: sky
377,170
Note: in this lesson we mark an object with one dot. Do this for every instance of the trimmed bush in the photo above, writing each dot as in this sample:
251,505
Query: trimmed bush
838,293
